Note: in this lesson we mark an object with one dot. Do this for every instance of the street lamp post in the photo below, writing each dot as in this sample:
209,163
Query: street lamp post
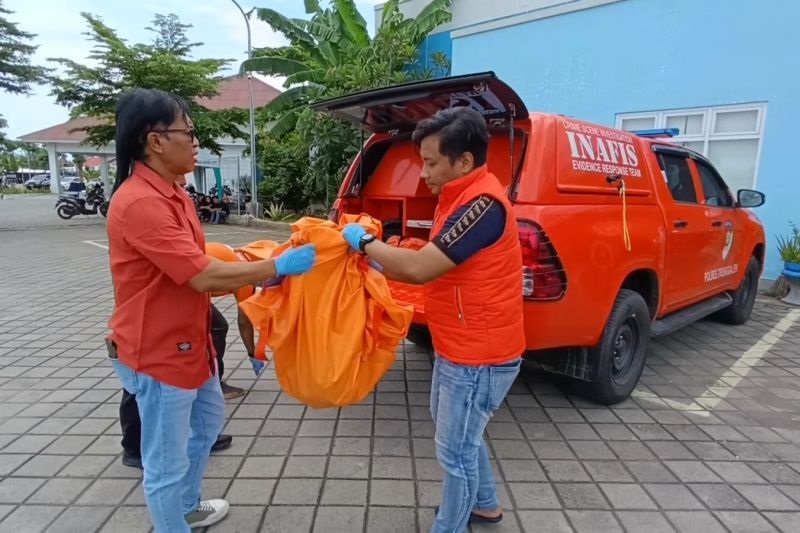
253,167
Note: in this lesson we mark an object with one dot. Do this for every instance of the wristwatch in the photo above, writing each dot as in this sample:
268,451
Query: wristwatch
365,240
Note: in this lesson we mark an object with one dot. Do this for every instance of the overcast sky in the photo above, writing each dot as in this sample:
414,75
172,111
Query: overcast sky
59,29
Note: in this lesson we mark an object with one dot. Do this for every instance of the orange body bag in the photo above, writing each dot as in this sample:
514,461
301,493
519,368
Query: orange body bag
333,331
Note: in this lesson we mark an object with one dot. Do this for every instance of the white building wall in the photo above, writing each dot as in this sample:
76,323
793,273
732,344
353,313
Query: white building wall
474,16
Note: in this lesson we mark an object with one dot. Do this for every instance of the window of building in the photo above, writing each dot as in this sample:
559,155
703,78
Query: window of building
678,177
729,136
638,123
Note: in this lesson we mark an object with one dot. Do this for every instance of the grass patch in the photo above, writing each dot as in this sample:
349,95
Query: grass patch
22,190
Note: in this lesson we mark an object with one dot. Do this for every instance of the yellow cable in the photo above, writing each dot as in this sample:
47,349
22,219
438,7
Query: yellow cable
625,233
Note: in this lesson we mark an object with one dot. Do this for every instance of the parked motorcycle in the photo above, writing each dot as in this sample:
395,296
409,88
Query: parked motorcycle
96,195
67,207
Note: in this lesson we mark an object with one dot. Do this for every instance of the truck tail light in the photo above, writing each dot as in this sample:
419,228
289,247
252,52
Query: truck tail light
543,276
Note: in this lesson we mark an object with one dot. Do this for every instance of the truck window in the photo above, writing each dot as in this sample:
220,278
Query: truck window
715,191
678,177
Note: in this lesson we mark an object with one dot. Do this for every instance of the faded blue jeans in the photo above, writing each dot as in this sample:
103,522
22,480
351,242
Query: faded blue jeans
463,399
179,426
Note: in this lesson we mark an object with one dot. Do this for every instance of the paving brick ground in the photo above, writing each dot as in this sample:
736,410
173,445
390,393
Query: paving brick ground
709,442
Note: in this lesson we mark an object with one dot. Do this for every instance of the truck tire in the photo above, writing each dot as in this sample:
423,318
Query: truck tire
743,297
621,352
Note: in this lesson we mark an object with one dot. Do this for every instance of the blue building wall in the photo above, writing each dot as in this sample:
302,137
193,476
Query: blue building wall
642,55
435,42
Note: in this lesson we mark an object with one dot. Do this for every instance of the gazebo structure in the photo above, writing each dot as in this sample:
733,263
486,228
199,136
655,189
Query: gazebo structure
234,92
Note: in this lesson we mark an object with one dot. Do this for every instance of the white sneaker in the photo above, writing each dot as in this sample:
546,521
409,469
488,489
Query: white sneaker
207,513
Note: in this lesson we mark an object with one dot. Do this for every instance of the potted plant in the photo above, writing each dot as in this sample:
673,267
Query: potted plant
789,249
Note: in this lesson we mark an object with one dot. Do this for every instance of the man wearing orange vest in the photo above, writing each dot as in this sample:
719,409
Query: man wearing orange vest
471,270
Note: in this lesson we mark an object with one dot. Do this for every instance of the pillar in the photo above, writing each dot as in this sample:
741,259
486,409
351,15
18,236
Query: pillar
107,183
55,176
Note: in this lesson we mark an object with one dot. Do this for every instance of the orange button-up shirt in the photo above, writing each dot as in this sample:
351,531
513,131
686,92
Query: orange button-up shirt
160,325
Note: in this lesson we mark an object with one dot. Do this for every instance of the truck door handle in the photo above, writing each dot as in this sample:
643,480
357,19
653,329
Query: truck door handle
716,223
680,223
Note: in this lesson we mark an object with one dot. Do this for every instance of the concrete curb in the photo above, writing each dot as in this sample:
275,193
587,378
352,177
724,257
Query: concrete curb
252,222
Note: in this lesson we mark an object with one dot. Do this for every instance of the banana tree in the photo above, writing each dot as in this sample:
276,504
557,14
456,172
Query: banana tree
331,53
8,162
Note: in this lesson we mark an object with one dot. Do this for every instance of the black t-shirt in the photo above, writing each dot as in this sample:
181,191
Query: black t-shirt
472,227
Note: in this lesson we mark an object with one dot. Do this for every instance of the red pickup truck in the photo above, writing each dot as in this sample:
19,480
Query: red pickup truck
624,235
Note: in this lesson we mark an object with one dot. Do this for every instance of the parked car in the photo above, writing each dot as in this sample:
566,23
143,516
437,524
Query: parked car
38,181
9,179
623,236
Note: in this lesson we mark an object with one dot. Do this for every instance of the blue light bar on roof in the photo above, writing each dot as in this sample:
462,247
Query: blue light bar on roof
657,132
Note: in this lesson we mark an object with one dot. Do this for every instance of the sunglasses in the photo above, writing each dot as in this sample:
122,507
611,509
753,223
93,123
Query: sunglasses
190,132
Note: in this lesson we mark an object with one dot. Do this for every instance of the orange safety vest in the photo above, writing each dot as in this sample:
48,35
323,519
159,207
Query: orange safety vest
475,311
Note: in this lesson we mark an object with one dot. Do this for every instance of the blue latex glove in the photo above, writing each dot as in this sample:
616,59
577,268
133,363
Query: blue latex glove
258,365
352,233
296,260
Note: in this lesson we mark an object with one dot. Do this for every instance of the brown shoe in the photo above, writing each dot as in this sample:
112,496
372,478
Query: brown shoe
230,392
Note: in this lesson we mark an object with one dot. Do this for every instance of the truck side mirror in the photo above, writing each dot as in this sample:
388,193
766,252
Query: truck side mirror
750,198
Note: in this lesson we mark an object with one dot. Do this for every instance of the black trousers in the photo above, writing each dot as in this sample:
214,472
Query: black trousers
129,419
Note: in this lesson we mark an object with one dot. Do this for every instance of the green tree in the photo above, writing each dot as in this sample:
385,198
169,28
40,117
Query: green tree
3,140
8,162
285,164
163,64
171,35
34,156
91,174
331,54
79,160
17,75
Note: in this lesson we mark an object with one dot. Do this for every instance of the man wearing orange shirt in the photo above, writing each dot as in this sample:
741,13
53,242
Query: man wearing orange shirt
131,424
129,420
160,327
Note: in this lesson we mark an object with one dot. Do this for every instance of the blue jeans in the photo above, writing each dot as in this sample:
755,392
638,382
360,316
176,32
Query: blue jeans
179,426
463,399
218,217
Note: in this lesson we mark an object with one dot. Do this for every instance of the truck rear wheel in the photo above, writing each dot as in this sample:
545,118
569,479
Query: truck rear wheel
621,352
743,297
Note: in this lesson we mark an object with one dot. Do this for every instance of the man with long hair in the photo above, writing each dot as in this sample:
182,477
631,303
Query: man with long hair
161,324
